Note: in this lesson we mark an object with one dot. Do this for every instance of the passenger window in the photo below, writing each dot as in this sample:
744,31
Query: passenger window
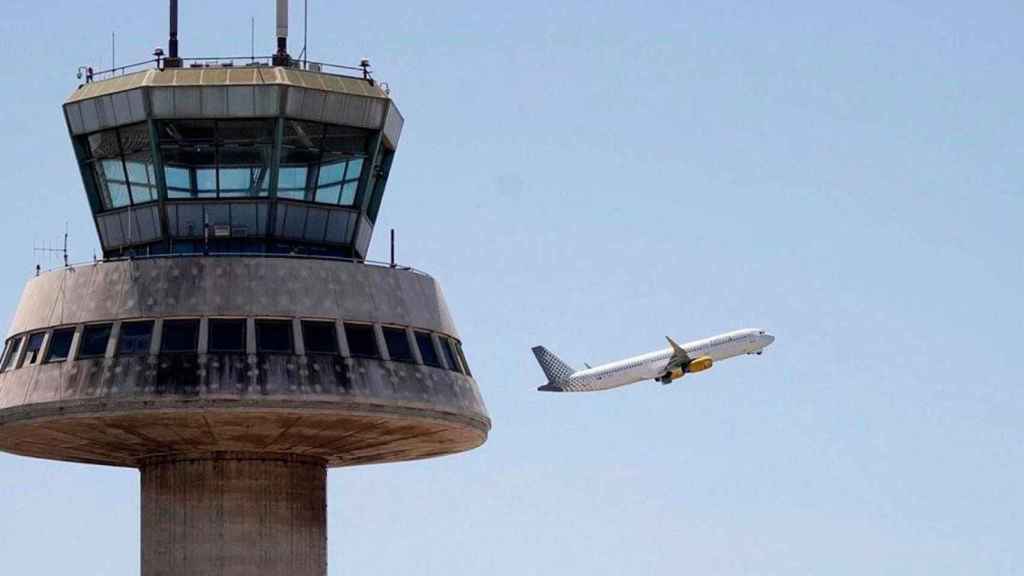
180,336
398,344
274,336
426,345
134,338
226,336
35,344
94,341
60,345
320,337
361,340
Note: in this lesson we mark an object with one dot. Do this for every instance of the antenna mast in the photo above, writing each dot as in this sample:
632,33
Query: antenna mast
281,57
173,61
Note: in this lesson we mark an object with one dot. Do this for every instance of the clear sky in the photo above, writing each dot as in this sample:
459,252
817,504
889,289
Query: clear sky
593,176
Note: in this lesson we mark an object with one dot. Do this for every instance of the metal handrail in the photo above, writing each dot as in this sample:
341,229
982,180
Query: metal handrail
373,263
227,62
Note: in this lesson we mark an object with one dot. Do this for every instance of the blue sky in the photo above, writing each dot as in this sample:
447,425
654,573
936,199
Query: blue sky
593,176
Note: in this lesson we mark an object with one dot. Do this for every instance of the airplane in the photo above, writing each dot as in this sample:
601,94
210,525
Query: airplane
663,366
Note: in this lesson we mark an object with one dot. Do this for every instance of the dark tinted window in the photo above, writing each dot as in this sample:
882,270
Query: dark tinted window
426,345
7,348
320,337
398,344
227,336
449,354
462,358
134,338
361,340
180,336
94,341
274,336
35,344
60,345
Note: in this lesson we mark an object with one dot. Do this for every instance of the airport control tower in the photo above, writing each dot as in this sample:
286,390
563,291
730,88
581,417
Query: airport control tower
233,343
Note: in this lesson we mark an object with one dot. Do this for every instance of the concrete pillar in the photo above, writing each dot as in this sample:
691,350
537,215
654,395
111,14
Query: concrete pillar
234,514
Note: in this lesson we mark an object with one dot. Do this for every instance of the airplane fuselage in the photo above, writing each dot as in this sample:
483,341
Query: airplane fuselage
656,365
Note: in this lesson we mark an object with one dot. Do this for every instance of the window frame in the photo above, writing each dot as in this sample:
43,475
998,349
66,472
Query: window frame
264,322
48,357
212,322
120,337
108,326
417,335
376,355
175,322
333,326
396,330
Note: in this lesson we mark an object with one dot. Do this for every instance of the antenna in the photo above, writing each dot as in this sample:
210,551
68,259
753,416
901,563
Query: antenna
305,33
252,38
173,61
281,57
46,250
113,51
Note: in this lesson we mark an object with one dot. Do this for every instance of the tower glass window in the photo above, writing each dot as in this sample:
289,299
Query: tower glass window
60,345
319,337
449,354
180,336
427,351
216,159
11,352
227,335
462,358
135,338
398,344
362,341
274,336
94,341
35,344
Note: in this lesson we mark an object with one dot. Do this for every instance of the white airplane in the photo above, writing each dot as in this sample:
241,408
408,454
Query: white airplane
662,366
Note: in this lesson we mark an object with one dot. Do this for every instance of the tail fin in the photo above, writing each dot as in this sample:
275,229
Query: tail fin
553,367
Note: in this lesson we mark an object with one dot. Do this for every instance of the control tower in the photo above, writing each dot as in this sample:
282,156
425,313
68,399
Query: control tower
234,343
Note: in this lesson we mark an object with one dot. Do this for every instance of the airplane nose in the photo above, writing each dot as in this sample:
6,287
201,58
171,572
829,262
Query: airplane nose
769,339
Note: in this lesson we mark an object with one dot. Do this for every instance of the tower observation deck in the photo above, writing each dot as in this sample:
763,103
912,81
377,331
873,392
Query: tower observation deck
234,343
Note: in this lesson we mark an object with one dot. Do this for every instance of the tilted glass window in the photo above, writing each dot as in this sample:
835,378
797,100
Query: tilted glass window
35,344
449,355
462,358
138,161
135,338
94,341
398,344
274,336
11,352
180,336
227,335
211,159
60,345
319,337
427,351
362,341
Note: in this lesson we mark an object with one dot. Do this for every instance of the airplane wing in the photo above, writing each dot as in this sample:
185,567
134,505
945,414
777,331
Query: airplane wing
679,356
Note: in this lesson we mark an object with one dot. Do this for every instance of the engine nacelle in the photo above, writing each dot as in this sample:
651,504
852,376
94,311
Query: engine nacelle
700,364
668,377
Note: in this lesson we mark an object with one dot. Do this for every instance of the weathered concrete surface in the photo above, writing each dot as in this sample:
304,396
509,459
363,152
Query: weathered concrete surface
234,515
232,286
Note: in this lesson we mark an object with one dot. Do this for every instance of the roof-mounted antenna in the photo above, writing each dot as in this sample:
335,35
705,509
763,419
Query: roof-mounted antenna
281,57
172,60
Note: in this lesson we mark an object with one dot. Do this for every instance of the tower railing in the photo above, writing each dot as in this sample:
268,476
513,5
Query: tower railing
343,70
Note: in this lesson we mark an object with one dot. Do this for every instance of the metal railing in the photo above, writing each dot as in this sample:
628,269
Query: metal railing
357,72
339,259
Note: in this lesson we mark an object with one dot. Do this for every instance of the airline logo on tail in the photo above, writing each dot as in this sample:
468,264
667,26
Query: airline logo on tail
558,372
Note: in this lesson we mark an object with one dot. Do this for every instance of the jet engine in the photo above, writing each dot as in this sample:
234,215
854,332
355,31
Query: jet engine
700,364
